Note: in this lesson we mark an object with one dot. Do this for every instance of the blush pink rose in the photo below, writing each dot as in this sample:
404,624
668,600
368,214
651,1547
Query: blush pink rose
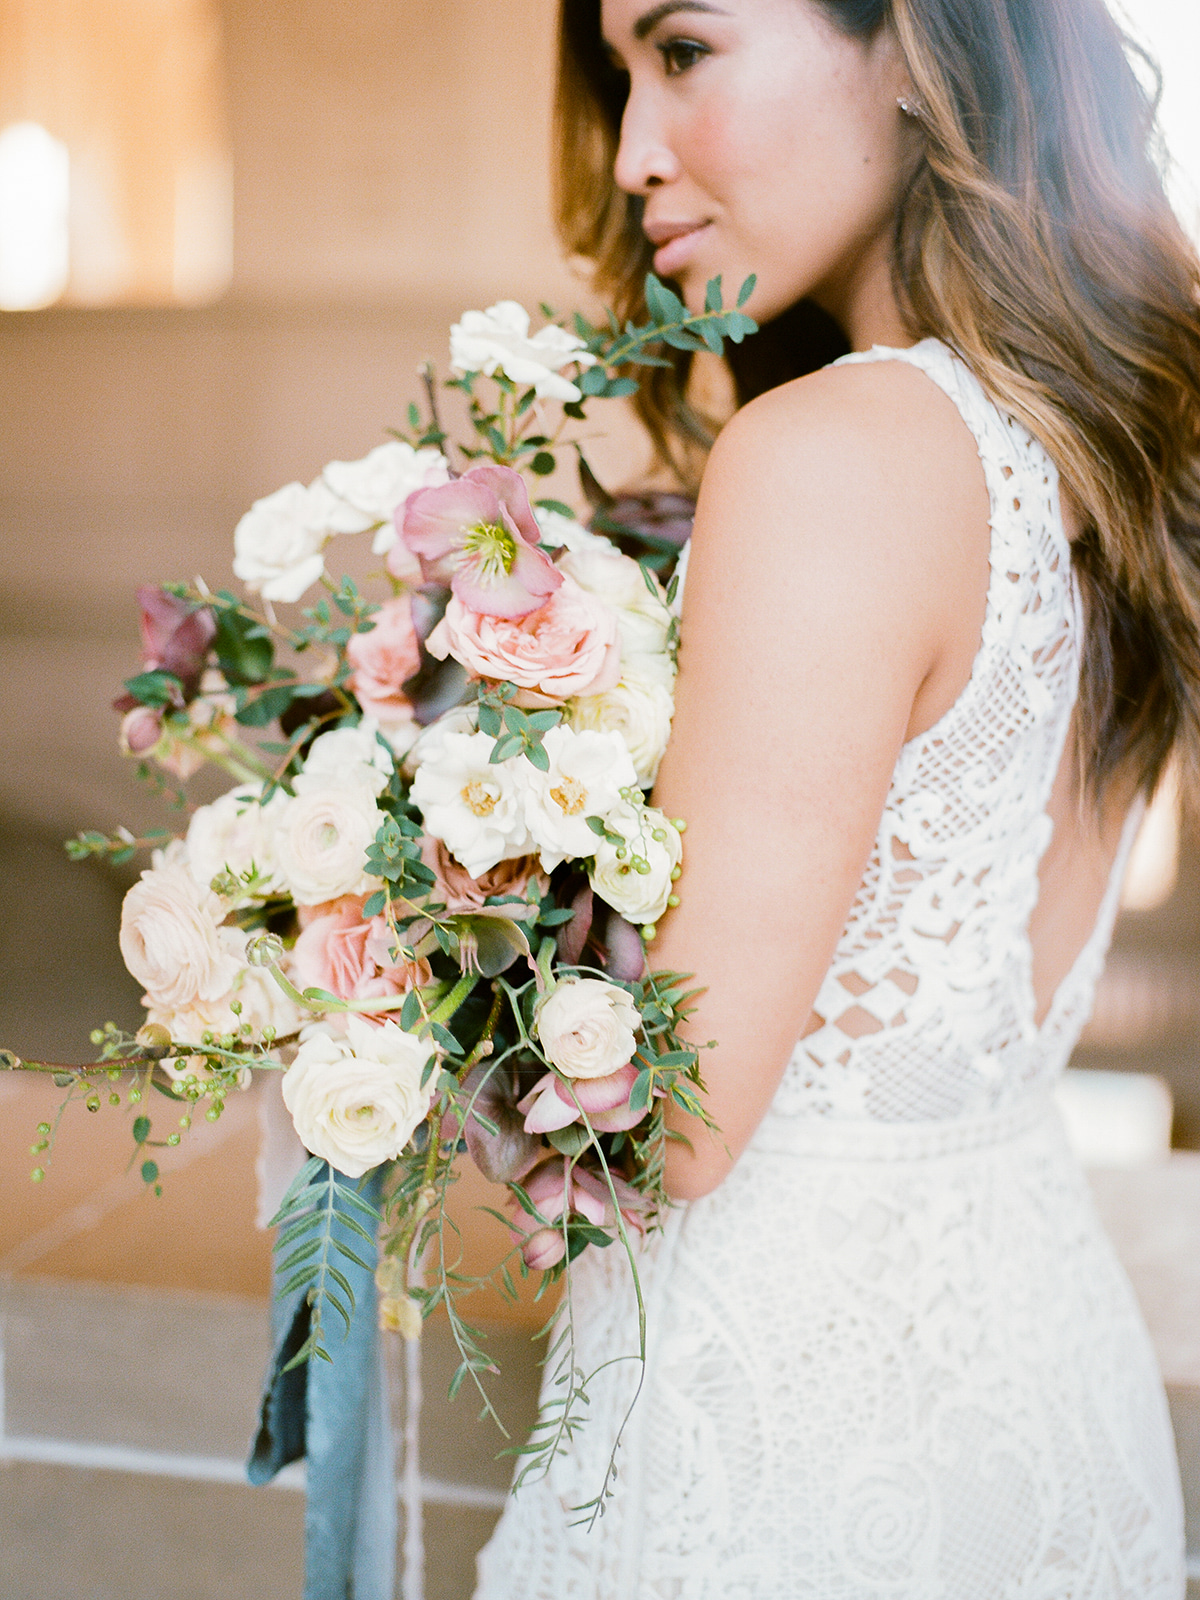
567,647
463,893
341,953
383,660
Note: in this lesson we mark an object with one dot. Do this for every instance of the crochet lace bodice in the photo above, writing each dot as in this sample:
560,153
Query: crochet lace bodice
927,1010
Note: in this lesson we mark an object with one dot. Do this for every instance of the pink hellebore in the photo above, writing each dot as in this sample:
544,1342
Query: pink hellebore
555,1190
549,1104
479,534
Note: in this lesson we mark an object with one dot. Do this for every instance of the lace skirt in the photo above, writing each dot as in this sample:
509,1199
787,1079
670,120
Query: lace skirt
892,1361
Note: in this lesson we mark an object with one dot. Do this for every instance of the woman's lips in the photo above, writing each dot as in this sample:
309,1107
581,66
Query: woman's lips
675,241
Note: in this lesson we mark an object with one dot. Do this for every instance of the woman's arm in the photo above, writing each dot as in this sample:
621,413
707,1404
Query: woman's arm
831,590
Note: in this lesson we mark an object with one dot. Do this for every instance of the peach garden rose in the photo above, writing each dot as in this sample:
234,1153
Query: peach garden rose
567,647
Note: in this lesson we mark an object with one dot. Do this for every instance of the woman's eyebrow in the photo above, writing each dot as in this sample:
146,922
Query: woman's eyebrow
650,19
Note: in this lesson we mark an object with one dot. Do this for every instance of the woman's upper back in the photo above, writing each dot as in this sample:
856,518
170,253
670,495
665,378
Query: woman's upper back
930,1008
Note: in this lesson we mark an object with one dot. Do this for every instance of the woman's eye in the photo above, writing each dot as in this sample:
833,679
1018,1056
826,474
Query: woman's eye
680,54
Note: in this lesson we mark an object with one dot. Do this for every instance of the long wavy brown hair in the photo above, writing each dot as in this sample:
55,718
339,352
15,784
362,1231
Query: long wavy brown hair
1035,239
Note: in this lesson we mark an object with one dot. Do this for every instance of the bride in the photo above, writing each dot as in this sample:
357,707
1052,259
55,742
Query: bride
942,631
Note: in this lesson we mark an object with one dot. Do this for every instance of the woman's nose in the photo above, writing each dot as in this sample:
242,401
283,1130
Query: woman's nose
645,159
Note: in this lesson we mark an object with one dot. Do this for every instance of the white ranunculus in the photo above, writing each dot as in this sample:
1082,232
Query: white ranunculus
171,939
367,492
498,340
638,883
349,755
564,533
588,1028
640,710
279,543
234,834
322,838
476,808
356,1100
263,1005
587,772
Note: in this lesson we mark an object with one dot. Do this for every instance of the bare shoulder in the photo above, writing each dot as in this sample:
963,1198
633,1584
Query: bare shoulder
875,438
861,484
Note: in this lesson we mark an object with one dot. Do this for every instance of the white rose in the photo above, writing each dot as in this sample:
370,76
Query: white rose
356,1100
171,939
638,883
459,719
564,533
322,838
351,755
367,492
263,1005
476,808
277,547
497,340
587,772
234,834
588,1028
640,710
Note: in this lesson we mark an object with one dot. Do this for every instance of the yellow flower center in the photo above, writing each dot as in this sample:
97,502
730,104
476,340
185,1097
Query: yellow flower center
327,836
491,549
570,796
477,797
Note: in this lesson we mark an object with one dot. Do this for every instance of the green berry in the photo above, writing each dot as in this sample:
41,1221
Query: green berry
185,1122
135,1097
38,1174
114,1099
43,1127
93,1102
212,1113
174,1138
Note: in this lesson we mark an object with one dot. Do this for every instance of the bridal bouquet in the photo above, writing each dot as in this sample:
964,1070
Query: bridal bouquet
428,897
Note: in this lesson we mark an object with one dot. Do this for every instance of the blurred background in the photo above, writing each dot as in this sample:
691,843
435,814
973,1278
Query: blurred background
229,230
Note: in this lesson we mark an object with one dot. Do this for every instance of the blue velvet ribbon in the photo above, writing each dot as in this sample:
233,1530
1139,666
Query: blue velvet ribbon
335,1415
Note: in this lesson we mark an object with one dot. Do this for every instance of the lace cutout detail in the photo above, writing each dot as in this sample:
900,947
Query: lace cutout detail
927,1009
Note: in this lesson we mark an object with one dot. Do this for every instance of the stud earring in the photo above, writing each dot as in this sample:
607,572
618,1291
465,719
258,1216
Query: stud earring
908,108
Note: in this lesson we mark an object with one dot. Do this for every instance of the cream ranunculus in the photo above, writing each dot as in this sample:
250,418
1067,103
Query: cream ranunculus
474,806
588,1028
350,755
498,340
640,711
171,939
587,772
234,834
357,1099
279,543
638,883
322,838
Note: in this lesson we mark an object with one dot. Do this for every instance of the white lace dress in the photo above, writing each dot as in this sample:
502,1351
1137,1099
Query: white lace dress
893,1354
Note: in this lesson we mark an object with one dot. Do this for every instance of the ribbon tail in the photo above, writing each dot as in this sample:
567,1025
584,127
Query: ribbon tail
336,1414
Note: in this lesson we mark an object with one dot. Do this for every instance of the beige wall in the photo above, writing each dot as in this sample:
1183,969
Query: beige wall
390,165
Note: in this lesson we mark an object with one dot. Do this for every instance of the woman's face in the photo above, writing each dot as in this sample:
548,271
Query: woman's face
763,140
